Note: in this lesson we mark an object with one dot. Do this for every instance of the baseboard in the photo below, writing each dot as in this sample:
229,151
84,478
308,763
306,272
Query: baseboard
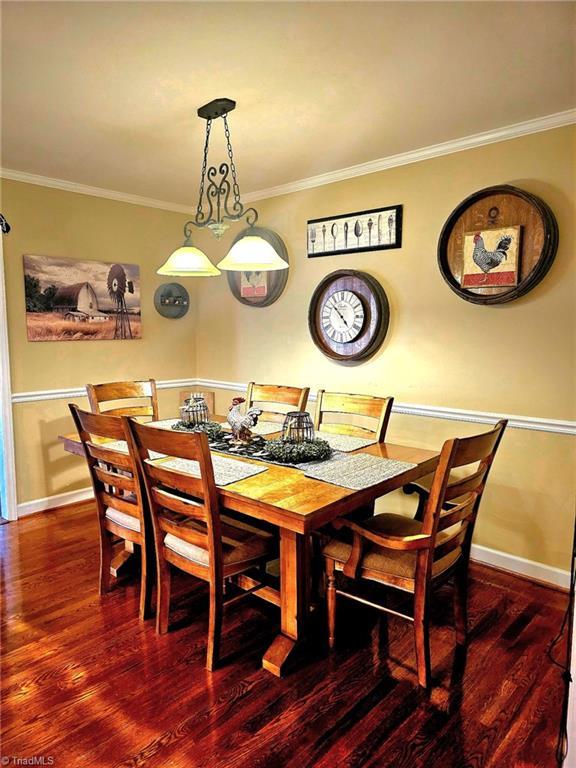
520,566
52,502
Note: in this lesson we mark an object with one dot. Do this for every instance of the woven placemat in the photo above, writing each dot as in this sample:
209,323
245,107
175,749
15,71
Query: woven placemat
122,447
357,472
345,443
226,471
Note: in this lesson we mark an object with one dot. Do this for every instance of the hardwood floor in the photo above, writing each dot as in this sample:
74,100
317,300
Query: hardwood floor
86,683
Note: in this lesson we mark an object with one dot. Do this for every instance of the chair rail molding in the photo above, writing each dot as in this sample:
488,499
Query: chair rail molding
535,423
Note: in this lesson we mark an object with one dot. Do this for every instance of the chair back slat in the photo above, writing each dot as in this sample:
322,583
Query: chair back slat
109,392
113,474
199,496
458,514
376,409
110,456
115,480
182,506
475,448
456,488
276,400
448,545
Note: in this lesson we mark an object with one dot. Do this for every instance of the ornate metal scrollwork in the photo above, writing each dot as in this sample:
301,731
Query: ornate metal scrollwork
218,191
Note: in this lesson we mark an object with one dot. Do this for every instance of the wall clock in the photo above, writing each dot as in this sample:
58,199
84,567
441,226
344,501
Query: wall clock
348,316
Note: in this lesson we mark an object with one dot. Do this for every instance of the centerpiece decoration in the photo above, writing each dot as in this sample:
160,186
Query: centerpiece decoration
242,423
195,417
298,444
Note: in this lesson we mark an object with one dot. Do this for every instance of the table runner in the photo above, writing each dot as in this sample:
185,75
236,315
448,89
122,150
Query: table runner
356,472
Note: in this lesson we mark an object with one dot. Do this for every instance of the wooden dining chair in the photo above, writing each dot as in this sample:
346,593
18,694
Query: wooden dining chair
376,410
412,556
190,533
270,396
118,496
101,394
375,413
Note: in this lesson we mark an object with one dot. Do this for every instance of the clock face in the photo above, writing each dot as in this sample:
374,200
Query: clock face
342,316
348,316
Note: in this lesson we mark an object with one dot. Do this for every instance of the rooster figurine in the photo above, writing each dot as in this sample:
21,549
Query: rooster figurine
487,260
241,423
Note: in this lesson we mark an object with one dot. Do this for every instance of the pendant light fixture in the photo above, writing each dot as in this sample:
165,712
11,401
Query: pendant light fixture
252,252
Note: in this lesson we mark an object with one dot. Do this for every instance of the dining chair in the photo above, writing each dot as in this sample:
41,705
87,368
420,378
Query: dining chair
411,555
271,396
376,410
99,394
190,533
118,496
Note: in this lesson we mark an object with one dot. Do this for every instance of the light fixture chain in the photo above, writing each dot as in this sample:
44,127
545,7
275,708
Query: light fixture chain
199,212
235,186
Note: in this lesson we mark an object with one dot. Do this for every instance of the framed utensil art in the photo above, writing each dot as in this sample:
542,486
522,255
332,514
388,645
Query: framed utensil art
375,230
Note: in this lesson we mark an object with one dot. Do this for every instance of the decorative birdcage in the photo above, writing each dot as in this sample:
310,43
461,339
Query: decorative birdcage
194,411
298,427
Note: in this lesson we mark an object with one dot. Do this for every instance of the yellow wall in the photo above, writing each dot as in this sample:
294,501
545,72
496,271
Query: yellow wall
515,358
440,350
50,222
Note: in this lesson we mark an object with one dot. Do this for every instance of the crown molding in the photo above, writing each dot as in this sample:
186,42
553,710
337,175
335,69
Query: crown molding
537,125
84,189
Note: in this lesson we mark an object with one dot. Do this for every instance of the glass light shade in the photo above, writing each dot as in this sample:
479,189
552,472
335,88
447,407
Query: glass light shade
252,253
188,261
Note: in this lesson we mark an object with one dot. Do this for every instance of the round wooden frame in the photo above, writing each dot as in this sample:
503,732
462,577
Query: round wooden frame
277,278
375,325
495,207
171,311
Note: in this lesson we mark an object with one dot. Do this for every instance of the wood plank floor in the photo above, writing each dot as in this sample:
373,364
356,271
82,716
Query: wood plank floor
85,683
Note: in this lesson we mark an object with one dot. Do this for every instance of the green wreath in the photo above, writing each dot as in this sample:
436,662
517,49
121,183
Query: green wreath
289,452
212,428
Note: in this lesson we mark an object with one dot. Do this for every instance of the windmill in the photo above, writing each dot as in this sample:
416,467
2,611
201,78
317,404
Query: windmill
117,287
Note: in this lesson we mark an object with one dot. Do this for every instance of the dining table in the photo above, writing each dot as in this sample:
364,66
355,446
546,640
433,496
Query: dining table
298,506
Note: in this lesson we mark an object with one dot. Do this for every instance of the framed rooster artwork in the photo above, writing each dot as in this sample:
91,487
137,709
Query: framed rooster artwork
491,258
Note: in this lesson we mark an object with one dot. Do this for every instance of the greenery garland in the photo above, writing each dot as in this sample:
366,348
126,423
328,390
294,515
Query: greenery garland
212,428
289,452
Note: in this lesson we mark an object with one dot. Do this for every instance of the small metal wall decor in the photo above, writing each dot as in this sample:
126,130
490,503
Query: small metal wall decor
172,300
298,427
376,230
260,288
497,245
194,411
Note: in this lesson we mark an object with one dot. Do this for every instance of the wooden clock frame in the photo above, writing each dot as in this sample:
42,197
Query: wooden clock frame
377,316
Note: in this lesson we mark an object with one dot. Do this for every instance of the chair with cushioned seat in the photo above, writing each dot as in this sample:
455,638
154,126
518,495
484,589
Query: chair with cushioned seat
118,496
412,555
99,394
190,533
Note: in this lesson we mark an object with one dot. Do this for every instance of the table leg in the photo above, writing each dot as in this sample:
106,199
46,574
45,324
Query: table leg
294,600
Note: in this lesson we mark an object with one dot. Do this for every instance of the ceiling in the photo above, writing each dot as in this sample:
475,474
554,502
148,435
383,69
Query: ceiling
105,94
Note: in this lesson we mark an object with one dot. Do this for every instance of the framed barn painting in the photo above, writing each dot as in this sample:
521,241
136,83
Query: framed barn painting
68,300
375,230
491,258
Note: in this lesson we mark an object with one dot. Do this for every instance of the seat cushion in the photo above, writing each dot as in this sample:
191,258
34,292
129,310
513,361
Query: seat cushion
389,562
123,519
241,542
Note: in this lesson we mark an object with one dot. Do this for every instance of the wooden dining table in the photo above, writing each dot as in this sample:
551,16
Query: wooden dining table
298,506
